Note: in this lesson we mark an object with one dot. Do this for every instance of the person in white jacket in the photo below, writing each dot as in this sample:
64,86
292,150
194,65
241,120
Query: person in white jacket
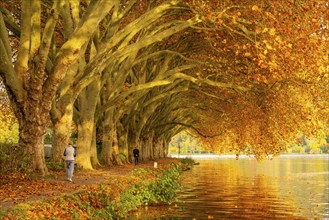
70,153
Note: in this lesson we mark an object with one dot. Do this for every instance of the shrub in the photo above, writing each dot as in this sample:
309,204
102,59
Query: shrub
164,187
187,161
147,187
55,166
13,160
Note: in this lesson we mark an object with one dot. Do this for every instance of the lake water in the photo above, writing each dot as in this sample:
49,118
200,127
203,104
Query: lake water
287,187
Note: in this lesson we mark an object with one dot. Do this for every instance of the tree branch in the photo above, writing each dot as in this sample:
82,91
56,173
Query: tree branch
190,127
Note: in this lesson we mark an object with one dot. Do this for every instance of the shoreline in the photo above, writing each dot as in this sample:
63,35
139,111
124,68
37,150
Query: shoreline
113,197
219,156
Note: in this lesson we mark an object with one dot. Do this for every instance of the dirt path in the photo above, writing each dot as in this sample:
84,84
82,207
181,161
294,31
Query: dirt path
24,190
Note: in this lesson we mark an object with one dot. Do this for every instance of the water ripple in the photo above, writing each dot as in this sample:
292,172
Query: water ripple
294,187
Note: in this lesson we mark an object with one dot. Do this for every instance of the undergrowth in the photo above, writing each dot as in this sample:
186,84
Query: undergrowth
107,201
14,163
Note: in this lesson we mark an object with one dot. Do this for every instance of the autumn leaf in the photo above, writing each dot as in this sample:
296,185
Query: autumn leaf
272,31
255,8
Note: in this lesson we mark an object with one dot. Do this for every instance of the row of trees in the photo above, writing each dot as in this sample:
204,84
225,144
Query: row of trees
135,73
184,143
310,145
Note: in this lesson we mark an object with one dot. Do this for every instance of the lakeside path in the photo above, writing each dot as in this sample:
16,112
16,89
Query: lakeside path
17,191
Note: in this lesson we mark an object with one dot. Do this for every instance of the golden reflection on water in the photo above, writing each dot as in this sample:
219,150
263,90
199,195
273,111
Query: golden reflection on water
282,188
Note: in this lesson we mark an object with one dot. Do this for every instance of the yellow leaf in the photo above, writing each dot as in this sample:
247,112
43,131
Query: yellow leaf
269,47
322,69
258,31
278,39
255,8
272,31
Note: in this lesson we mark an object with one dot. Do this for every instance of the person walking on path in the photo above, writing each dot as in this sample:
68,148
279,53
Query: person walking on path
70,153
136,155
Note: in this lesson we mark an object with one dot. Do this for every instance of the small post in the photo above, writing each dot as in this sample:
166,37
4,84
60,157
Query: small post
155,165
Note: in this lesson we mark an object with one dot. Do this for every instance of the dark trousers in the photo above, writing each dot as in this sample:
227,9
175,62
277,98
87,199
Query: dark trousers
136,160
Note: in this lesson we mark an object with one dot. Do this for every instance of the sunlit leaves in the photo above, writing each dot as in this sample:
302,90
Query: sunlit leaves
277,50
8,122
283,57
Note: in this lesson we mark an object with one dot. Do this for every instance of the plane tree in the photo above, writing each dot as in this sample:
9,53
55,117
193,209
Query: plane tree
150,78
121,128
263,78
62,55
31,78
112,64
161,75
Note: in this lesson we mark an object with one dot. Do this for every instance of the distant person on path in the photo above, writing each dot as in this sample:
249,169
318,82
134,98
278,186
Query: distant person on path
136,155
70,153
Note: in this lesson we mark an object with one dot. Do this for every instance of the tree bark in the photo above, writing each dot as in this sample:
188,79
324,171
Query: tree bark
156,150
122,142
31,138
62,132
115,148
93,150
107,138
30,86
86,126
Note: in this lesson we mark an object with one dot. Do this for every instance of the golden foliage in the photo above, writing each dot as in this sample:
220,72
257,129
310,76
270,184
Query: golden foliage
8,122
282,56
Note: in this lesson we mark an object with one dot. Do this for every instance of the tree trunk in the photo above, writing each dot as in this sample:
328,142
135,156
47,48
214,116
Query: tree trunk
86,126
143,153
122,141
83,145
62,132
107,150
156,150
147,149
132,145
93,150
164,149
151,149
31,139
115,147
107,138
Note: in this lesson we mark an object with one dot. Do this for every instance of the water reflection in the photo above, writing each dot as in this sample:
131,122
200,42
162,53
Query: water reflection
288,187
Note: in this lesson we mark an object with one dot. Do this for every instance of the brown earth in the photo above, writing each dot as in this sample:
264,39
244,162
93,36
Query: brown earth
16,189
